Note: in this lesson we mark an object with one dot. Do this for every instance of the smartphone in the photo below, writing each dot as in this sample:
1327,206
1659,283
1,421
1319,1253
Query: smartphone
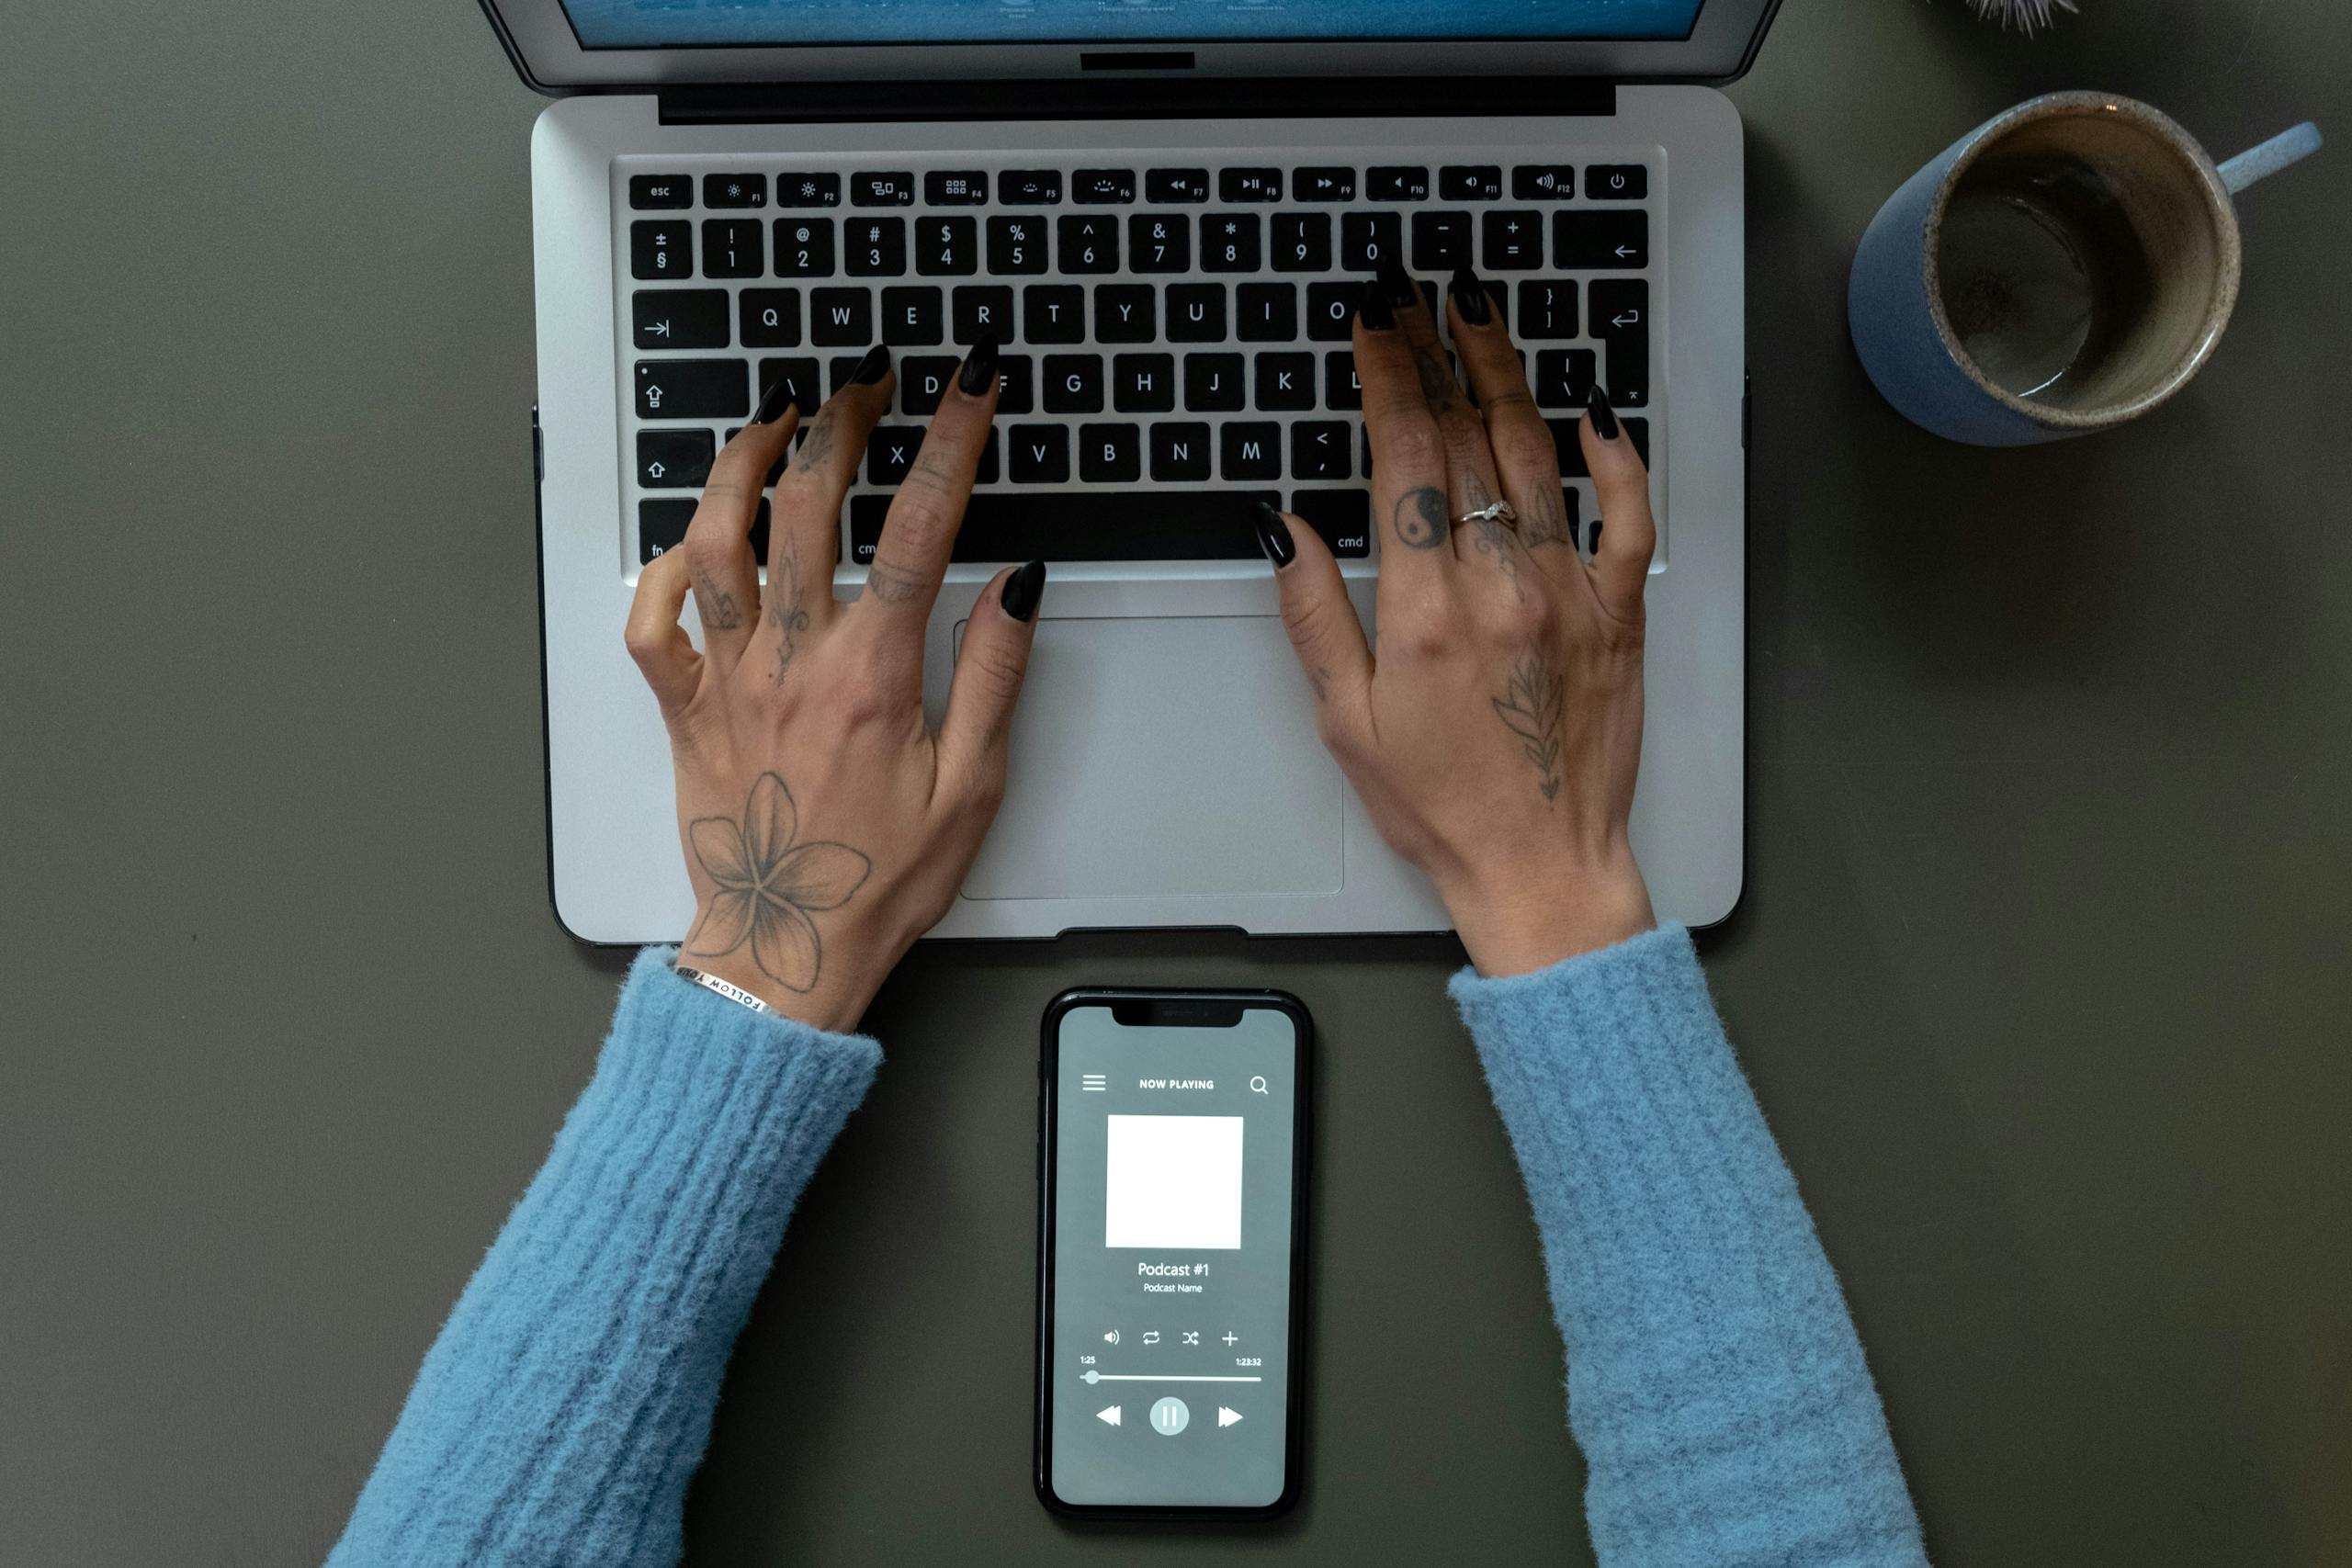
1171,1252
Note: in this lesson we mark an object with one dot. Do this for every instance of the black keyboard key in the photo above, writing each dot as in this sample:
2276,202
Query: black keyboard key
1073,383
1213,383
1620,319
913,317
796,190
800,378
1547,308
1089,243
1616,182
1543,182
956,187
1143,383
1441,241
890,452
1110,454
771,318
661,247
1302,241
1323,184
1611,239
1017,246
1180,451
1563,378
1102,187
838,316
678,318
991,468
648,191
1037,454
1285,381
1514,241
982,308
1016,384
877,247
1567,443
1368,239
722,191
1470,182
1125,525
840,368
882,187
1251,451
673,460
1158,242
1331,311
804,247
731,247
1053,312
1342,516
1342,389
1265,312
1229,241
1123,312
948,247
662,524
692,389
1318,449
922,381
1176,185
1038,187
1397,183
1249,184
1196,312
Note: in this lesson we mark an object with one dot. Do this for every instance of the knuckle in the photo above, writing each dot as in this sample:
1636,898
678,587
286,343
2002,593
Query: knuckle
1521,450
1414,448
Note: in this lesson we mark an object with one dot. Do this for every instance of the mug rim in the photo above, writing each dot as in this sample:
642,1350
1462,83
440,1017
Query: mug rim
2055,106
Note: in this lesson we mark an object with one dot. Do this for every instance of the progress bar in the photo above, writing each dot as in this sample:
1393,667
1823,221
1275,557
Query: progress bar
1161,1377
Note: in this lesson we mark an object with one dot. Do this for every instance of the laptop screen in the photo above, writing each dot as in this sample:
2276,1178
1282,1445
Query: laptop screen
655,24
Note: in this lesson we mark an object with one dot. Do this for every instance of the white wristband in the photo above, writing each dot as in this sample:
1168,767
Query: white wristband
726,988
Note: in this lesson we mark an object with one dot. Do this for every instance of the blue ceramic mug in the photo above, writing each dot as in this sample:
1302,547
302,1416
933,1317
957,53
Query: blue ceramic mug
2065,267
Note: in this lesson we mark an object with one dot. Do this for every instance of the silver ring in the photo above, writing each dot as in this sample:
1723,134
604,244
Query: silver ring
1493,511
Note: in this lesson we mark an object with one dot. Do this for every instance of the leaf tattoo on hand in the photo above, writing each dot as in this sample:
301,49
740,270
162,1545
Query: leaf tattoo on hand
770,886
1530,708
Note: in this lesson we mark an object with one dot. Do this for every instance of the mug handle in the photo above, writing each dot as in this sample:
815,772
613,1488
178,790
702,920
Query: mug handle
2290,146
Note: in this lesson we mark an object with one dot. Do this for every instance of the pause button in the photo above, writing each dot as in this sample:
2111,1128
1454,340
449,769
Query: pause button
1169,1416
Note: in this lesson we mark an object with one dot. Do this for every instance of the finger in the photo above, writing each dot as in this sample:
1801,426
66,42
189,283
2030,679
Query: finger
918,532
1325,631
1408,501
717,545
975,734
1621,561
1469,467
809,495
664,654
1525,460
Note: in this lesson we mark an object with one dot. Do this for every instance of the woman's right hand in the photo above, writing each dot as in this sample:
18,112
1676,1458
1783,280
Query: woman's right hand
1494,739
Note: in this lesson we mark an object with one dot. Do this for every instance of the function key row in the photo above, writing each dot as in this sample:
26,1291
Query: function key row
1117,187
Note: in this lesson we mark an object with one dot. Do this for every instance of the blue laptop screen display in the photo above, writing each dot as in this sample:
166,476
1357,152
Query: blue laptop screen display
652,24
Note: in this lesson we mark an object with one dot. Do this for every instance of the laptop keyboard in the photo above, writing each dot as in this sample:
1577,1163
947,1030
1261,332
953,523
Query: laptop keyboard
1176,334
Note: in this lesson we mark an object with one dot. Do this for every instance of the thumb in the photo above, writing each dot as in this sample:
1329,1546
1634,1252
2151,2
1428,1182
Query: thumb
1324,630
989,672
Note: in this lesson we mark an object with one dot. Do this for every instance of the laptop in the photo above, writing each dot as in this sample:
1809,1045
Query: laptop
1165,208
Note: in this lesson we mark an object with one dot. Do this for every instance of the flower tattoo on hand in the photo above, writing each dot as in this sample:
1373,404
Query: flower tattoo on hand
770,886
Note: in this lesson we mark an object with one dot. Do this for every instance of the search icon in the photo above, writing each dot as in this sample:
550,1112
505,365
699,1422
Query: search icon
1258,1085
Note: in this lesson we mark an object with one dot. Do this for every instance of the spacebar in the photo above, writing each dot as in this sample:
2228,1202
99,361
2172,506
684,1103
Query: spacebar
1101,525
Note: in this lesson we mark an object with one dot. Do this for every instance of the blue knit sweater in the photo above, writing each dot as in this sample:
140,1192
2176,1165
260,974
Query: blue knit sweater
1715,1381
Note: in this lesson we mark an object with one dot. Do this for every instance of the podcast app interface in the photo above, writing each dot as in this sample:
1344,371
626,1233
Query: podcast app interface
1171,1261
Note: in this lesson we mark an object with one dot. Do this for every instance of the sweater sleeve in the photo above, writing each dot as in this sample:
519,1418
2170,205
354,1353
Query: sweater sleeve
567,1401
1715,1384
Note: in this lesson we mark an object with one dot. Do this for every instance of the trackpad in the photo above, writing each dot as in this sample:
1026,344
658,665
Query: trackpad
1164,757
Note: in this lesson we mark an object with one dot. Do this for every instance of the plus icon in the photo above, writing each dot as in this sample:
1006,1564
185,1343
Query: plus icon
1229,1336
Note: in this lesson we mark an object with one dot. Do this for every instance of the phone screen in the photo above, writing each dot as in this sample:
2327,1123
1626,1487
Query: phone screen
1172,1226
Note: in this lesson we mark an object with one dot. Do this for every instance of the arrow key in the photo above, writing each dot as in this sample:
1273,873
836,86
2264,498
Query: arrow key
673,460
1601,238
680,318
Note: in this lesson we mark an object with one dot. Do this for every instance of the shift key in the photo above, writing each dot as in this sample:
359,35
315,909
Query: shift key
693,388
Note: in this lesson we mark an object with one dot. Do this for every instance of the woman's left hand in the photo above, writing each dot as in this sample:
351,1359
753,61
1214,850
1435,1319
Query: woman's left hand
825,826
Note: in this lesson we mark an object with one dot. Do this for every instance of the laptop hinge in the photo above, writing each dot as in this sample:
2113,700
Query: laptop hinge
1133,97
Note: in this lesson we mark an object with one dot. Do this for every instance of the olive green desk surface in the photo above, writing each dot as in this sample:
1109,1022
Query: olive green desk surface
2041,974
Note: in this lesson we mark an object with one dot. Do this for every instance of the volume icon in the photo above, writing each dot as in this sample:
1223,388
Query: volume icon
1111,1336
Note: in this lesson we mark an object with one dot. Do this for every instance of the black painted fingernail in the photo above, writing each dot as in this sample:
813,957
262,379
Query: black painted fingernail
1471,299
979,368
773,405
873,368
1374,309
1024,588
1393,278
1603,417
1273,535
